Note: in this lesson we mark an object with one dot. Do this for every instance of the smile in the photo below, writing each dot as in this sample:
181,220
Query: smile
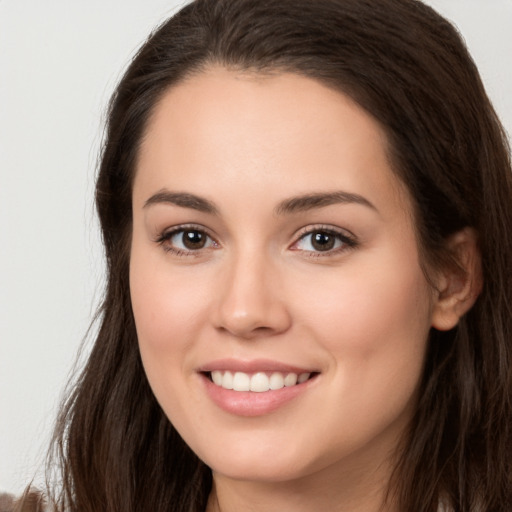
256,387
258,382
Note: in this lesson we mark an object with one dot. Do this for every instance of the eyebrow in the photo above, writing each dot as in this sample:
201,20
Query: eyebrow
320,200
288,206
184,200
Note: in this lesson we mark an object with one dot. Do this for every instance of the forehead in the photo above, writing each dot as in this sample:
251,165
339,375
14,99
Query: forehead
268,132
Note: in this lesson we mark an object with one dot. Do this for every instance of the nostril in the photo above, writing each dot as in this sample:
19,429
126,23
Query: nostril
247,332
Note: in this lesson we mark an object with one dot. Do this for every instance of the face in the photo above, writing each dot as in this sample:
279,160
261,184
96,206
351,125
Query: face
280,307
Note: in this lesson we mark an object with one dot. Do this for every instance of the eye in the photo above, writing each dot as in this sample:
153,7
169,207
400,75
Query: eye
185,240
189,239
324,240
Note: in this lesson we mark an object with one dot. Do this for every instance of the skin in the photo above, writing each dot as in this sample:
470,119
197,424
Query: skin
359,316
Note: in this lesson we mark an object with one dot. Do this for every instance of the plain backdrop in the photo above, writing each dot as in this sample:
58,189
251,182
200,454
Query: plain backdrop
59,62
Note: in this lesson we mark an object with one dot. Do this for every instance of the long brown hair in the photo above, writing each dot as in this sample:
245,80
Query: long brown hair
408,67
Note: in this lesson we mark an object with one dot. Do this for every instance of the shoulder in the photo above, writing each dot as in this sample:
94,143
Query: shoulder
31,501
6,502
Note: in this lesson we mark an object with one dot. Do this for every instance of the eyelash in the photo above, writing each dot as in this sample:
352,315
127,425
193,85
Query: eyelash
164,240
348,241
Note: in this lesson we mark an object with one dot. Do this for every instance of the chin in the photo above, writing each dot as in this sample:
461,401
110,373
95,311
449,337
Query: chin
263,461
268,471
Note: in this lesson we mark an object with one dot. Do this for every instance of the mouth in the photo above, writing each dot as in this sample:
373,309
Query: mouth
256,387
258,382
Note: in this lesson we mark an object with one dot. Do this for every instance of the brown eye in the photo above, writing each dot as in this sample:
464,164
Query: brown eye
193,239
186,240
322,241
329,241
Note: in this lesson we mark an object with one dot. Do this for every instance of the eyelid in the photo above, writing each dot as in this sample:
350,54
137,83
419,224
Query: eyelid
348,239
165,235
172,230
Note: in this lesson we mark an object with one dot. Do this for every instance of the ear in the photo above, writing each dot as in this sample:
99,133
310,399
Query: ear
459,285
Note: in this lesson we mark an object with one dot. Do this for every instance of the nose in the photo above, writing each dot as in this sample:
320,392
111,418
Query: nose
250,302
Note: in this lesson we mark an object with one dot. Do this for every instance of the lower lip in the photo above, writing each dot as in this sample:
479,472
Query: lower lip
250,403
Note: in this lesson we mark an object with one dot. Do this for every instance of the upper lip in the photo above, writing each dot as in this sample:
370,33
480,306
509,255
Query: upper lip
252,366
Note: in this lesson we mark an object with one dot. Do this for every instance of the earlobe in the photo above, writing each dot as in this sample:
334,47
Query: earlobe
459,285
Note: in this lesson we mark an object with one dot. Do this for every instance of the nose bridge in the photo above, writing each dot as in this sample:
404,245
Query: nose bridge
251,302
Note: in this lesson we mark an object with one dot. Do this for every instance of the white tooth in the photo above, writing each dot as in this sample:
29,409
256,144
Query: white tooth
241,382
217,377
303,377
227,380
290,379
276,381
259,382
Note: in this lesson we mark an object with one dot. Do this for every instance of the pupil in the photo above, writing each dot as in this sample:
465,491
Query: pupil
193,239
323,241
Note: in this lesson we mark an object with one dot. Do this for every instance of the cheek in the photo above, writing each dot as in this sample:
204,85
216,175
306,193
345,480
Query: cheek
374,322
167,320
384,312
167,323
378,299
164,306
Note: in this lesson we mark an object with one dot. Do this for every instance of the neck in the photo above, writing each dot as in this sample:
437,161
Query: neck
333,489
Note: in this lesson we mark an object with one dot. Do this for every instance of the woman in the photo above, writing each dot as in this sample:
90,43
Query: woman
306,213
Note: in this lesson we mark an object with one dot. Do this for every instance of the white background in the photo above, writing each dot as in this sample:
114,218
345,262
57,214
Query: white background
59,62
